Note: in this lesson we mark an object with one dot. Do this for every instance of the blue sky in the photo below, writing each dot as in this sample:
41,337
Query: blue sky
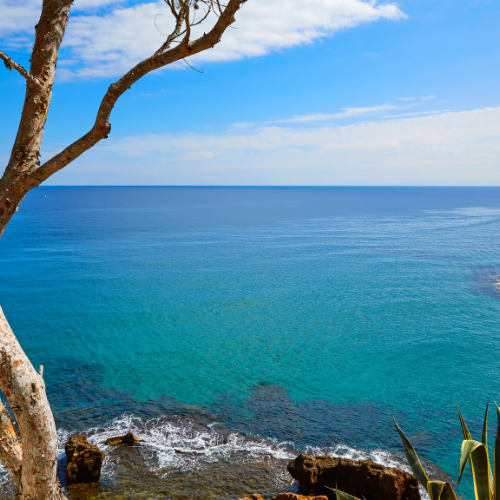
317,92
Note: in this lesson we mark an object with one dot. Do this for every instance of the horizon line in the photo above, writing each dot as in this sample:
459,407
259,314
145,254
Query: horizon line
264,186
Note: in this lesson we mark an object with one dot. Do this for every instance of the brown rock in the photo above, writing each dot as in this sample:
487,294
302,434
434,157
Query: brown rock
129,439
363,478
286,496
84,461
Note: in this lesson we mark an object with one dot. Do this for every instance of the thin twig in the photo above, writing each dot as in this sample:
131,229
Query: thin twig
192,66
10,65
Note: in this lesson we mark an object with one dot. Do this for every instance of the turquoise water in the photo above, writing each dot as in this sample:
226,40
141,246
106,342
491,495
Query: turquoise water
307,315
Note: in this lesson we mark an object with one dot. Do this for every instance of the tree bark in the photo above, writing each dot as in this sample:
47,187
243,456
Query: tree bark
17,181
24,389
11,452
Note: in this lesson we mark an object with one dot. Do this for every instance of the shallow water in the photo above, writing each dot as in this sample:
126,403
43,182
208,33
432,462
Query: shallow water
308,316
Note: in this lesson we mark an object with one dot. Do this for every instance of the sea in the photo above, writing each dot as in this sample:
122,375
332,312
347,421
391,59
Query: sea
233,327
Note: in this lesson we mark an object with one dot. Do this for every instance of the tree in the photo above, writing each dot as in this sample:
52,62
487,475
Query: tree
31,456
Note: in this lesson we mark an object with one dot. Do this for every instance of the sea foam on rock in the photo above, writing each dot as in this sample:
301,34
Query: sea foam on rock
128,439
363,478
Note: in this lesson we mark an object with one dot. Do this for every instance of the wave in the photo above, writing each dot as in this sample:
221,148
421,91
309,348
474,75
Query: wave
181,455
181,443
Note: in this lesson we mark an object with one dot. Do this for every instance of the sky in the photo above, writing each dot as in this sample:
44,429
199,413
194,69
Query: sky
300,92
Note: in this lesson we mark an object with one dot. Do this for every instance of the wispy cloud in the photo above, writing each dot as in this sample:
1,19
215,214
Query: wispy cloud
445,148
18,17
380,111
108,43
345,113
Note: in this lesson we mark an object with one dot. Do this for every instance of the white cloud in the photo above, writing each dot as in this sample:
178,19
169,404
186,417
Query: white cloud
103,43
441,129
346,113
20,16
380,111
459,148
197,155
86,5
110,44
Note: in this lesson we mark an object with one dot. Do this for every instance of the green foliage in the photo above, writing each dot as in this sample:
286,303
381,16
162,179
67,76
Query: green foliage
437,489
341,495
474,452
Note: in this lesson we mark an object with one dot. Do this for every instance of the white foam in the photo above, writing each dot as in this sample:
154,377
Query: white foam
382,457
171,445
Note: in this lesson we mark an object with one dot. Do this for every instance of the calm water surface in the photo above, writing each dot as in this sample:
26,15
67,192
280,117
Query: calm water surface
307,316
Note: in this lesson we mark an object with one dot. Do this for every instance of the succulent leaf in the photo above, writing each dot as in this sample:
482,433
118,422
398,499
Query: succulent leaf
413,460
496,459
479,454
435,488
341,495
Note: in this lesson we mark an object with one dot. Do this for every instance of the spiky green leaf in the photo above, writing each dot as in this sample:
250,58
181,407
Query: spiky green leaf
435,488
465,430
448,492
484,440
484,435
479,454
466,433
496,459
341,495
412,457
440,490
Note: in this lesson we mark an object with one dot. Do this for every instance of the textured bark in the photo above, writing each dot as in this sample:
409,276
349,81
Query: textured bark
11,452
17,179
24,389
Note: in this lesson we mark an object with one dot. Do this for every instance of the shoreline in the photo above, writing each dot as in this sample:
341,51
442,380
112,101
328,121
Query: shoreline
182,455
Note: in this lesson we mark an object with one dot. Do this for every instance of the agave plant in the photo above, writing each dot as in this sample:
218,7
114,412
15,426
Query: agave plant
340,495
437,489
474,452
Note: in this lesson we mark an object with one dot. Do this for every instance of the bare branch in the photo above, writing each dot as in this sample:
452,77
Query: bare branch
102,127
185,8
175,33
203,18
172,8
10,64
197,70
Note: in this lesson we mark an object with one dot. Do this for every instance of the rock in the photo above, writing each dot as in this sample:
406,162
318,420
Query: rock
129,439
286,496
362,478
84,461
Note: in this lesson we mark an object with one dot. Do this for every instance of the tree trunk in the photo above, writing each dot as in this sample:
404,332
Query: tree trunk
17,181
32,465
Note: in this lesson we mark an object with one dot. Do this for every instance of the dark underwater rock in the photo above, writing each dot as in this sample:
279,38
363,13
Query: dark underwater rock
361,478
129,439
84,461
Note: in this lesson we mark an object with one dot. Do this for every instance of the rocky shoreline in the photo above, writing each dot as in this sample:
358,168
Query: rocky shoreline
317,476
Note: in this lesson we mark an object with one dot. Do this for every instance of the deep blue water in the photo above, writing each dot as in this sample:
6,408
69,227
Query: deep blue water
311,315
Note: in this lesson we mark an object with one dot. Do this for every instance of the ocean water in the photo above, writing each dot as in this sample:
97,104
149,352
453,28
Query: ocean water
231,327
